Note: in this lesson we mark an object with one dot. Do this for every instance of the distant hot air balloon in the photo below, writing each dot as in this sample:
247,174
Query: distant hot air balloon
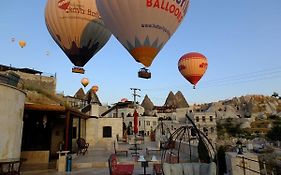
95,89
85,81
22,43
77,28
192,66
143,27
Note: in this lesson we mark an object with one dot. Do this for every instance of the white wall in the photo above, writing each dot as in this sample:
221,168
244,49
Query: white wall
11,117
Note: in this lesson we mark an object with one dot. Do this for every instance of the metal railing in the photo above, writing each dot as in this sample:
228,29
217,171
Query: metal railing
274,170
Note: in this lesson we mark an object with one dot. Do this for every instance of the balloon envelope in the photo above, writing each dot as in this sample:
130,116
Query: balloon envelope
77,28
142,27
85,81
193,66
95,88
22,43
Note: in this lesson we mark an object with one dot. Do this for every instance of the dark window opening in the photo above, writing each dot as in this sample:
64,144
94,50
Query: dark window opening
107,131
74,132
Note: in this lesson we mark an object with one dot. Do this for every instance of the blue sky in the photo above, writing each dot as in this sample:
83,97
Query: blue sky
241,39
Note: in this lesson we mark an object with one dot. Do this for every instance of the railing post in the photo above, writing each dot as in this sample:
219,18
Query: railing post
264,166
243,162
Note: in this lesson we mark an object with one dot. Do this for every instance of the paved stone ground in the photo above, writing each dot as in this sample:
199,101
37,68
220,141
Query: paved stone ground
94,162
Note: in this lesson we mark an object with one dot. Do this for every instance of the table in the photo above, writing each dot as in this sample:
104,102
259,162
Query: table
61,162
144,163
11,165
135,148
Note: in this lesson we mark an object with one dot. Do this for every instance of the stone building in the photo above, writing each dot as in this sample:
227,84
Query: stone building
206,122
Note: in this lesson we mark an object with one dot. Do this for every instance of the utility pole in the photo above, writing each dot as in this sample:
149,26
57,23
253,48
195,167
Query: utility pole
135,95
135,108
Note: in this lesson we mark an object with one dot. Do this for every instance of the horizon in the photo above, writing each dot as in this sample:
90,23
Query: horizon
242,46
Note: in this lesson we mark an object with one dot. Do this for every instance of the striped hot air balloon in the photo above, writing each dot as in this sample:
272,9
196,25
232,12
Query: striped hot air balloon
77,28
192,66
142,26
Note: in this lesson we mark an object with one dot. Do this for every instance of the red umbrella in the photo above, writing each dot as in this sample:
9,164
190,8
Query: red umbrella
136,115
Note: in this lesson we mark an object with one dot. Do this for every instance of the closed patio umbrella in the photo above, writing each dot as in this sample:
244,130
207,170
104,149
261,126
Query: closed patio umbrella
136,128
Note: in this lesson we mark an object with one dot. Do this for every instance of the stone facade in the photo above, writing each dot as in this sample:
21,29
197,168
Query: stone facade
48,83
206,122
11,125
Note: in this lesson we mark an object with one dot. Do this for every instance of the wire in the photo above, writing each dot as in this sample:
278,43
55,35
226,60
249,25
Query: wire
269,73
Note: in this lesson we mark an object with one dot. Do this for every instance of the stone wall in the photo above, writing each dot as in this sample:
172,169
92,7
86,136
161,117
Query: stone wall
11,117
94,132
38,81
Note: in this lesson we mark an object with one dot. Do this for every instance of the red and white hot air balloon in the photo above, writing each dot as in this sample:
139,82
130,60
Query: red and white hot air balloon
192,66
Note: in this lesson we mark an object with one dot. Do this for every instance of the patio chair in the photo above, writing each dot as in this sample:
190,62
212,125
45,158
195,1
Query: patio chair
119,169
82,146
118,149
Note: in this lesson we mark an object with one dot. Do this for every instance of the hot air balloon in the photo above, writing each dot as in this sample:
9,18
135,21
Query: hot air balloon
22,43
192,66
85,82
142,27
95,88
77,28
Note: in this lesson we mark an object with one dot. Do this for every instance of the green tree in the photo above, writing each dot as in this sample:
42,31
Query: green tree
275,94
274,134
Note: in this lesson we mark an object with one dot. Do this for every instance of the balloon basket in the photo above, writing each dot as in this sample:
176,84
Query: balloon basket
144,73
79,70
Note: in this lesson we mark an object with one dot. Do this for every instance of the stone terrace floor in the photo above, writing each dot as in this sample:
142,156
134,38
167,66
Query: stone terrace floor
94,162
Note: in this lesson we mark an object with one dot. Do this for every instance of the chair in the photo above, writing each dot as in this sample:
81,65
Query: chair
153,148
82,146
117,149
11,168
119,169
170,158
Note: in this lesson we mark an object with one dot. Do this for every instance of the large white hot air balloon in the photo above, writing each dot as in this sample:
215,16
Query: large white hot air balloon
142,26
77,28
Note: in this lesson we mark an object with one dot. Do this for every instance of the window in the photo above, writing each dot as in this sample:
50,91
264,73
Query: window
107,131
211,118
154,123
203,119
139,123
197,119
147,123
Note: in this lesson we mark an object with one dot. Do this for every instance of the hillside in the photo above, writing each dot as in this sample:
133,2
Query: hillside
249,106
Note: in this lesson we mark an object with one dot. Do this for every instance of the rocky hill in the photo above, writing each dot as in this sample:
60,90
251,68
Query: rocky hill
249,106
176,100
